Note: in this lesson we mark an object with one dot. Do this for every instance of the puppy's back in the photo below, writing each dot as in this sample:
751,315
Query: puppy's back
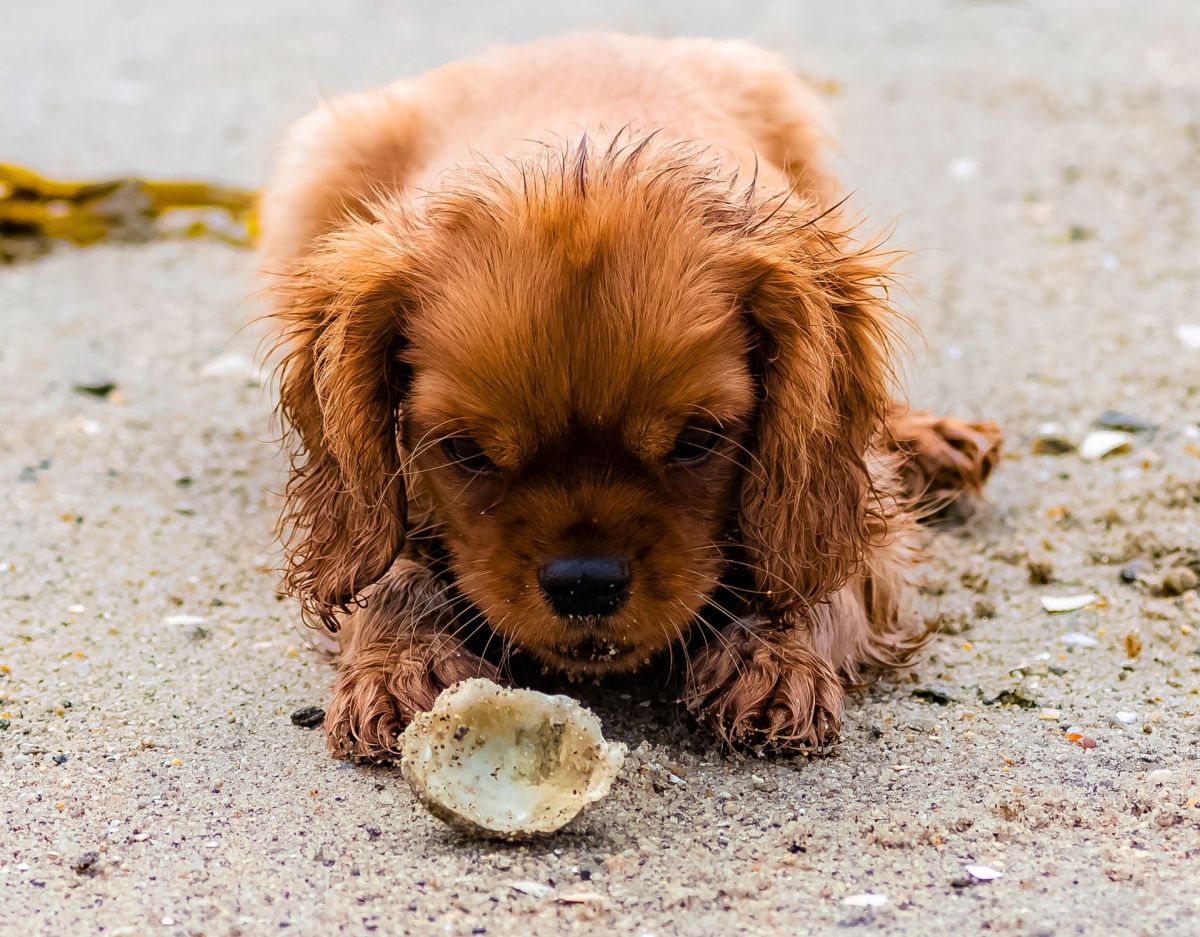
742,103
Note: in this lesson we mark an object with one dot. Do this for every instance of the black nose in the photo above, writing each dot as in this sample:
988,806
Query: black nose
584,585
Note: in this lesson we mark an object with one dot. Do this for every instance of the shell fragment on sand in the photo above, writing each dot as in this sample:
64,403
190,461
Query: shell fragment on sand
1068,603
1104,442
534,889
231,365
184,620
865,900
507,764
1189,334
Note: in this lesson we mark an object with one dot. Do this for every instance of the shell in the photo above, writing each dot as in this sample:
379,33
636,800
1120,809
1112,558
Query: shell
1103,442
507,764
1068,603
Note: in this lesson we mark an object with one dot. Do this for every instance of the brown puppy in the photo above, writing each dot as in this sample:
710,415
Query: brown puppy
582,358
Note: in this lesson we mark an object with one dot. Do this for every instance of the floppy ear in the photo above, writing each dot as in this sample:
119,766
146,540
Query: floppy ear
819,323
341,387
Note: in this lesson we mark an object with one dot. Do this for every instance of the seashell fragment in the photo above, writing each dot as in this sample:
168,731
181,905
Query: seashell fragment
1051,440
865,900
507,764
1189,334
1103,442
1068,603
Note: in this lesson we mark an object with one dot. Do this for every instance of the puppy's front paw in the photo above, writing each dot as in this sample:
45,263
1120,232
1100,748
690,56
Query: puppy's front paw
380,689
765,690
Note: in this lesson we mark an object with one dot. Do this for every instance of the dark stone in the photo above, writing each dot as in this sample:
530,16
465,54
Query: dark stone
1132,572
308,717
933,695
1011,698
86,864
1125,422
101,389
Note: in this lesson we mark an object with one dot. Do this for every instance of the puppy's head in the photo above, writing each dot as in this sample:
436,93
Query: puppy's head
598,377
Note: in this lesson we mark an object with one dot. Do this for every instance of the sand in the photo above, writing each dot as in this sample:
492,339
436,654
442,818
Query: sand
1039,158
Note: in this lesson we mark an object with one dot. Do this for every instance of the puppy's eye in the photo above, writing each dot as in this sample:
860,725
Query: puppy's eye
694,443
466,453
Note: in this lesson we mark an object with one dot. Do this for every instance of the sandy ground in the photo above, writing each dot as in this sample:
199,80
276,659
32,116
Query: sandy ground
1041,158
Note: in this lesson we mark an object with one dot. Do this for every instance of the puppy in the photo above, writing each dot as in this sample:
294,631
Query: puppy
583,363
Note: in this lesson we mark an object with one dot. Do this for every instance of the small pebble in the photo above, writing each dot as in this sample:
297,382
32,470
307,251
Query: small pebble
1160,776
1041,571
86,864
308,717
1125,422
95,388
1177,580
1126,718
1132,571
1050,715
1052,444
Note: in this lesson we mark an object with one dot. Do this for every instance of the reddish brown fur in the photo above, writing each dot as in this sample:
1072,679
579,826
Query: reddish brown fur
567,252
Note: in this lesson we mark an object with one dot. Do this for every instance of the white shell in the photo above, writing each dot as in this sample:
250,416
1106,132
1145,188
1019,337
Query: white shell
1068,603
1096,445
865,900
1189,334
507,764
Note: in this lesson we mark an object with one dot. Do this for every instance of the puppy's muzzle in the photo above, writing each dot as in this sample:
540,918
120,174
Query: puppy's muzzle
584,586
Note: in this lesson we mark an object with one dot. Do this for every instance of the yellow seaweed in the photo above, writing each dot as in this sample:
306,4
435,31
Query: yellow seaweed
36,210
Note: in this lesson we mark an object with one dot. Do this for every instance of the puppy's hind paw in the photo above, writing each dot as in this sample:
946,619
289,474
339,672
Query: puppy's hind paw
943,458
766,691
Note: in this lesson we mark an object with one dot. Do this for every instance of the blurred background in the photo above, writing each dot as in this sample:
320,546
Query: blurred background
1070,120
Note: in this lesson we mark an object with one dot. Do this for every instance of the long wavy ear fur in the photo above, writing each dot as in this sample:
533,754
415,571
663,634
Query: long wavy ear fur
821,329
341,387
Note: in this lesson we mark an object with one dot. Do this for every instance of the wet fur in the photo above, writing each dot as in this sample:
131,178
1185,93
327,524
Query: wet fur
570,299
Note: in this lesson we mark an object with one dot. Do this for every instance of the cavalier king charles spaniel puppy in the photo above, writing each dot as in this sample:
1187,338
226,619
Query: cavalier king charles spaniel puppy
583,362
